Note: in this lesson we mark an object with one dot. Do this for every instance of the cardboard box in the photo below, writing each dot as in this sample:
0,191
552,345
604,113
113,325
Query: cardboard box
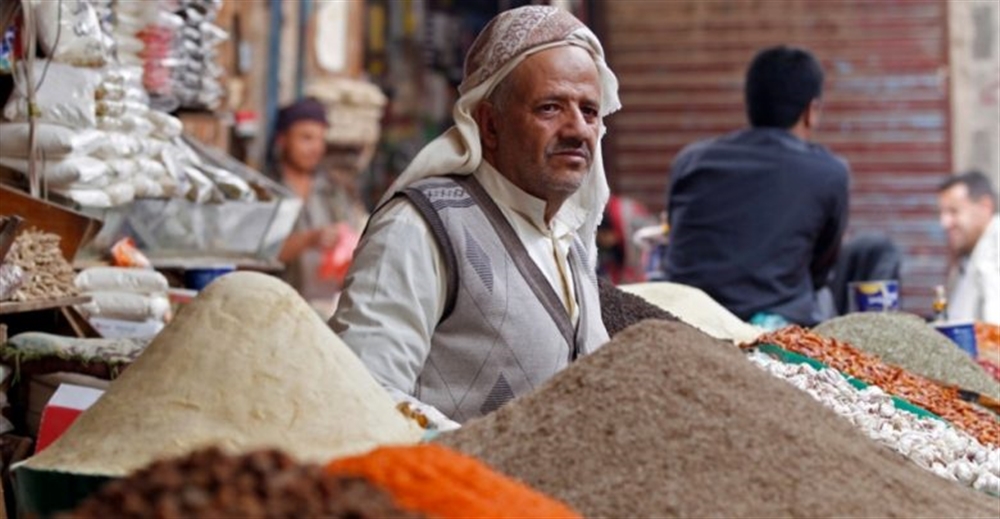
68,402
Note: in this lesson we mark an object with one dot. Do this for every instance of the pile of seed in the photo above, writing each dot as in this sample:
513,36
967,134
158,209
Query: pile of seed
665,421
620,309
264,484
907,341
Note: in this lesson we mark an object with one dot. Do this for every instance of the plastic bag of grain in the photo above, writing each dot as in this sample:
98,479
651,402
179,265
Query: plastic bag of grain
53,141
69,32
121,279
68,170
64,95
126,305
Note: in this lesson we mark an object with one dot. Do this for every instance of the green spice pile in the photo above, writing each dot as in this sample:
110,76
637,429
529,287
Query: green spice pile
905,340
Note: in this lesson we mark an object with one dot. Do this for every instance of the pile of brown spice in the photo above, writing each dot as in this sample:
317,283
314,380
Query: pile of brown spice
620,309
264,484
665,421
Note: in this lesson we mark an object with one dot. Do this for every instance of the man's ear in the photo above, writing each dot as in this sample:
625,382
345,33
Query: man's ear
486,121
810,118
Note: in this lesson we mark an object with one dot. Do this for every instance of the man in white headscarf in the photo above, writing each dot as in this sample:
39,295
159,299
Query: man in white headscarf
474,282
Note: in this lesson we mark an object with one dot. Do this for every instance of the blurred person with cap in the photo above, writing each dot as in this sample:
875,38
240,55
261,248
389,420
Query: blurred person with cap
299,147
757,216
968,214
475,282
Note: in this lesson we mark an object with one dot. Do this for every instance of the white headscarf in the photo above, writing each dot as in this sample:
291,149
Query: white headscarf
503,44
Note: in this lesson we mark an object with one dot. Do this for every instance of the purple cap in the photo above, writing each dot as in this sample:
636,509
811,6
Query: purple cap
307,109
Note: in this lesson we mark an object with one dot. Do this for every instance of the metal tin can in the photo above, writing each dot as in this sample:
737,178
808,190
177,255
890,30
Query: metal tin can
873,296
961,333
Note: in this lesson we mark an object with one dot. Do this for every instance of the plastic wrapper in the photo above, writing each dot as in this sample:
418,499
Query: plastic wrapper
116,144
124,253
151,168
121,279
52,141
11,279
126,306
167,126
123,169
81,170
110,196
73,35
232,186
64,95
201,189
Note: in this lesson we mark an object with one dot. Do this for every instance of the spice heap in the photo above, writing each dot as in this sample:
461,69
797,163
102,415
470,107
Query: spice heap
942,401
665,421
47,274
445,484
693,306
620,309
905,340
930,443
247,365
261,484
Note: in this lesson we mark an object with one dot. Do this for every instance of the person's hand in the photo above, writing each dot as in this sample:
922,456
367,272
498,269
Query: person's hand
327,236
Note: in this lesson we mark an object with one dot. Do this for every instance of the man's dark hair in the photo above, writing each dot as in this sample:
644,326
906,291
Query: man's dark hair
780,84
976,182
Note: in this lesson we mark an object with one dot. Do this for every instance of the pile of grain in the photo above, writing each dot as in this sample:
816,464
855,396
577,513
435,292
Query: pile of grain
907,341
261,484
693,429
620,309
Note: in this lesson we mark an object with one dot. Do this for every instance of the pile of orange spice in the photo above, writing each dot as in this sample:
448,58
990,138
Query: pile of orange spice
442,483
942,401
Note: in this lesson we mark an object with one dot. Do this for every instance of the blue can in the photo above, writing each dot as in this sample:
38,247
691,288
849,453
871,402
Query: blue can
963,334
873,296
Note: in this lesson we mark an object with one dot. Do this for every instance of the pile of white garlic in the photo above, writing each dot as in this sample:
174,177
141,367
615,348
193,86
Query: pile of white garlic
931,444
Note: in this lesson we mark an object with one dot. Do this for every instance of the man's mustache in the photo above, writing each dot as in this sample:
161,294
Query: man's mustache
573,146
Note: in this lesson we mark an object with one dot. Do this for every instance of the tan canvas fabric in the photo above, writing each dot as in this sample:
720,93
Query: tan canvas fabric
246,365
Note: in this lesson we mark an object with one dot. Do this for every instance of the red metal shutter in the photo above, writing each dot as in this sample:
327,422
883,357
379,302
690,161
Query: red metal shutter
886,103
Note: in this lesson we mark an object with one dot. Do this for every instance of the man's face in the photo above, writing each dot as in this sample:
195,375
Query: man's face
544,135
303,145
963,219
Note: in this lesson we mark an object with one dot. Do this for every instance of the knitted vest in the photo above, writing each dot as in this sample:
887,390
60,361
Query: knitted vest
504,330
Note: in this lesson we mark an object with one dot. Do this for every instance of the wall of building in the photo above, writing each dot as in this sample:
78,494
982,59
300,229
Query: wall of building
886,105
974,30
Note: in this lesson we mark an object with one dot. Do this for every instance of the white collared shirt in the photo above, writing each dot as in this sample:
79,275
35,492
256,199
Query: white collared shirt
395,293
975,293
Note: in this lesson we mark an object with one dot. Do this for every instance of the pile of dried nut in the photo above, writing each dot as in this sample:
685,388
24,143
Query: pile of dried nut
47,273
940,400
930,443
209,483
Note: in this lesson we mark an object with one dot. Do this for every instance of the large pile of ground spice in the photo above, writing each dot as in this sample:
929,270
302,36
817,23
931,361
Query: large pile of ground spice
665,421
620,309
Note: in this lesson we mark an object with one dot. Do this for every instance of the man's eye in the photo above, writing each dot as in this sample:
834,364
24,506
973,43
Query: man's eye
548,107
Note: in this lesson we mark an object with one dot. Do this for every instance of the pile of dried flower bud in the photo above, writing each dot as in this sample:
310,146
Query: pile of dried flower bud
930,443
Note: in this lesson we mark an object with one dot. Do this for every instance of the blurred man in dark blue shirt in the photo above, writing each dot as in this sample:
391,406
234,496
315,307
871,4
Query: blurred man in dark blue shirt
757,216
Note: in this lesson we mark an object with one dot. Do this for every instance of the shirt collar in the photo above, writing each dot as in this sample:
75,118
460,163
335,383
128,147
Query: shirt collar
568,219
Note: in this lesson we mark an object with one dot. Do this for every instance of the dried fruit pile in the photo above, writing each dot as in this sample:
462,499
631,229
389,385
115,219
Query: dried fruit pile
209,483
940,400
48,274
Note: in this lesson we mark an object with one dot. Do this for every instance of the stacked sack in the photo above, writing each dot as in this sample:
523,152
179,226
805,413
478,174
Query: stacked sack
125,302
98,143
